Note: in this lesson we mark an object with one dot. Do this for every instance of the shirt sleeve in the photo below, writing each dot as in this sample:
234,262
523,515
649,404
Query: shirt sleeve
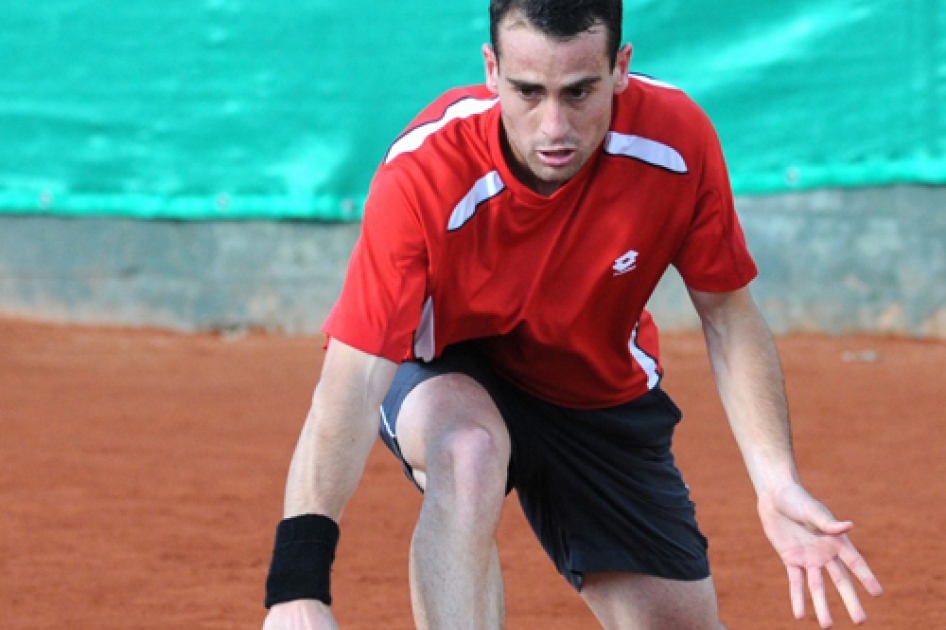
714,256
381,300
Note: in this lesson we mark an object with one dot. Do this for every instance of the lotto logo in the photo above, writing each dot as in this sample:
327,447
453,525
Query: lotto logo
625,263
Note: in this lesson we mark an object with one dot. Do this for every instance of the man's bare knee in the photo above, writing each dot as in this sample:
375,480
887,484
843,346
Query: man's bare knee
450,424
473,457
467,469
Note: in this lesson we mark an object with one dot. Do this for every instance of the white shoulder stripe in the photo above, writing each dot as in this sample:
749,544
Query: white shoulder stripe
415,138
643,78
650,151
485,188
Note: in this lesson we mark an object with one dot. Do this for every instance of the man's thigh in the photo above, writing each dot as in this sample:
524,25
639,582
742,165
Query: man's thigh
630,601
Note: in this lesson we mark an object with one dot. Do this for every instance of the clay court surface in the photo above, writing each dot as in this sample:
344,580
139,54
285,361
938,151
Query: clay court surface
141,477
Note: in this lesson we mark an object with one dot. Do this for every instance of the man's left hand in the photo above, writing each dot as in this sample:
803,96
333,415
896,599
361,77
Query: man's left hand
809,540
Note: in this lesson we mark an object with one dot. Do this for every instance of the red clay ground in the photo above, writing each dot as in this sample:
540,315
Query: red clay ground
141,477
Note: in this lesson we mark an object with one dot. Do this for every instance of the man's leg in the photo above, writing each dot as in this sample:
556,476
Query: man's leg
630,601
454,438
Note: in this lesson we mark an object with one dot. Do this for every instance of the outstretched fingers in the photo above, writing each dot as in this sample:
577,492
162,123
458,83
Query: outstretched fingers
819,597
839,569
796,586
845,586
811,542
858,566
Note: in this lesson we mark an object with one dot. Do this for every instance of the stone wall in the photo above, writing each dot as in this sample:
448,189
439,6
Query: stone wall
833,261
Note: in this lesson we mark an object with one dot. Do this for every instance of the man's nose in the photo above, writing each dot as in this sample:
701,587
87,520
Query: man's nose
554,122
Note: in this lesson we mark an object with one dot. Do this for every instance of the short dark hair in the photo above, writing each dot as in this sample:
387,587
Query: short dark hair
562,19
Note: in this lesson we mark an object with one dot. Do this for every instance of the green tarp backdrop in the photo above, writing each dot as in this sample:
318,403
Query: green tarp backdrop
203,109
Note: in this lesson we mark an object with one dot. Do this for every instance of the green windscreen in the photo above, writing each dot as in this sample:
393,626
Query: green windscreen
250,109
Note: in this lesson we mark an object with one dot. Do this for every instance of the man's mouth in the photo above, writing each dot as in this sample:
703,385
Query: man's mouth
556,158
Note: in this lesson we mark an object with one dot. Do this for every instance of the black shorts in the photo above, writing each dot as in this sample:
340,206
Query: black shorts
599,487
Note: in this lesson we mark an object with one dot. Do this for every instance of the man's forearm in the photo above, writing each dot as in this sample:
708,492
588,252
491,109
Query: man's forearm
328,462
340,429
751,387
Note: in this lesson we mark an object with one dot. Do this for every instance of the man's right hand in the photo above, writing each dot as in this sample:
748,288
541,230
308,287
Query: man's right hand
301,614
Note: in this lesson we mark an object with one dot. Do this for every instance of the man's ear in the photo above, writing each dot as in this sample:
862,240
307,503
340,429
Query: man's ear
491,63
622,65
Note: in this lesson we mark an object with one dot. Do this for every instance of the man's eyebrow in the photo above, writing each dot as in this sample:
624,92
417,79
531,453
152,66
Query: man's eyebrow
525,85
584,82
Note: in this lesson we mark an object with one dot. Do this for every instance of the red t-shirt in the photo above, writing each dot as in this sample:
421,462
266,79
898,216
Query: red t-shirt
454,248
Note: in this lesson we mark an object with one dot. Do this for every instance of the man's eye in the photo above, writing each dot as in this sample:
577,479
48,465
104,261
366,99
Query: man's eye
528,93
576,94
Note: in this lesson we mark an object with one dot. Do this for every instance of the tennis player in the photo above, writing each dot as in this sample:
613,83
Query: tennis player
494,312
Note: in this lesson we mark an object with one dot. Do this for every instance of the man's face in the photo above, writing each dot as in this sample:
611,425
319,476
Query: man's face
556,99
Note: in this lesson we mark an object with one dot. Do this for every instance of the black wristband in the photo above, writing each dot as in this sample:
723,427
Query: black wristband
302,560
